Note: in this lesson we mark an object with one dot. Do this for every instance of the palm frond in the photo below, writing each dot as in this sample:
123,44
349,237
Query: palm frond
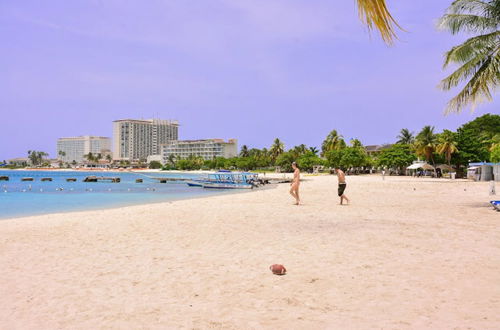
375,15
472,47
456,23
485,78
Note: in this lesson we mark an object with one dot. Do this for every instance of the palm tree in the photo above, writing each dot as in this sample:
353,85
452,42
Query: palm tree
356,143
171,159
333,141
89,156
425,144
314,150
244,151
405,137
109,158
61,154
447,144
277,149
478,57
374,14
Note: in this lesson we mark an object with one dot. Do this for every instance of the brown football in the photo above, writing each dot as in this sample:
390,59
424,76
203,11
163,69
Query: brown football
278,269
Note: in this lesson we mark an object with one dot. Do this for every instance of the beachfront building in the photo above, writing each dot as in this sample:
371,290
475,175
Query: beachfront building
373,150
74,149
135,140
207,149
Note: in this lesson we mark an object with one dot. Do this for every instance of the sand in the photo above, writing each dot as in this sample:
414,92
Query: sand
407,253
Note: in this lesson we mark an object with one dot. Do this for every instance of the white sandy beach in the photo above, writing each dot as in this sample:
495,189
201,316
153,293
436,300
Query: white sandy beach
407,253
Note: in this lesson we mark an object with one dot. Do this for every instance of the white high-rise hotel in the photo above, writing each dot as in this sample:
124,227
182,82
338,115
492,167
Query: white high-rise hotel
71,149
138,139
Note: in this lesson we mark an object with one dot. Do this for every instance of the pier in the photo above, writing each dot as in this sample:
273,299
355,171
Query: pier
4,178
26,179
71,180
45,179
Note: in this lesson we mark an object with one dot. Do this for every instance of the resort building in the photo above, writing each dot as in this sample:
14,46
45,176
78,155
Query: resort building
135,140
74,149
207,149
373,150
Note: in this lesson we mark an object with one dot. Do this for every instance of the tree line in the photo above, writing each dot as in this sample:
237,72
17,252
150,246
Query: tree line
478,140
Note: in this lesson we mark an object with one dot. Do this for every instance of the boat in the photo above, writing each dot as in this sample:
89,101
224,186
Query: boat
194,183
222,185
226,180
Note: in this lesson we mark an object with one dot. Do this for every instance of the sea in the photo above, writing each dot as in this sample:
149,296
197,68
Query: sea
25,198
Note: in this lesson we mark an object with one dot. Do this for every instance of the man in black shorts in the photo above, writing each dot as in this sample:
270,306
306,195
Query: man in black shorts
342,185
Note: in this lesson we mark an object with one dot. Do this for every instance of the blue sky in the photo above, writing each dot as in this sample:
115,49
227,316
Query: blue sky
249,69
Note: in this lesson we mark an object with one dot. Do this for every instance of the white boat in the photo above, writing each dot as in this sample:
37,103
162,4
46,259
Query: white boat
222,185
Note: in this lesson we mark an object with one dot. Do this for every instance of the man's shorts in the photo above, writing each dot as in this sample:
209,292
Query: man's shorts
342,187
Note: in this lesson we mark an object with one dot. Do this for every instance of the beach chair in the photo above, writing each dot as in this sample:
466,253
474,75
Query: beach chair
496,205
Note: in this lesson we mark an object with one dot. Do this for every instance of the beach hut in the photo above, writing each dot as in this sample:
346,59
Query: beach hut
481,171
496,172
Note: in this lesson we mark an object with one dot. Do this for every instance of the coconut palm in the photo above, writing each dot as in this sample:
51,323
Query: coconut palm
277,149
478,57
447,144
405,137
313,150
89,156
109,158
333,141
244,151
356,143
375,15
425,144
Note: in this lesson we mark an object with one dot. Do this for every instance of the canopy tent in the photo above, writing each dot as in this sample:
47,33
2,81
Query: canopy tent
445,167
424,166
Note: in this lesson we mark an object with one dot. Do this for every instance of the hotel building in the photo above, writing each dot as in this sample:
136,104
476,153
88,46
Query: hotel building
207,149
71,149
137,139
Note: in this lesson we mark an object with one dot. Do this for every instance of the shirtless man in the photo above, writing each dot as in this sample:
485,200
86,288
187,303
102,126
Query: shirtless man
294,189
342,185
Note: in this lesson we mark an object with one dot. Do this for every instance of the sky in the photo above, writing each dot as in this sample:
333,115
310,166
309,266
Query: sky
253,70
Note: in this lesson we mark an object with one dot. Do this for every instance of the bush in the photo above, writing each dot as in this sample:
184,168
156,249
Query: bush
154,164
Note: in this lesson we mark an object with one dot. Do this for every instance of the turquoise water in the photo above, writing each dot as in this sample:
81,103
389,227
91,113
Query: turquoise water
18,198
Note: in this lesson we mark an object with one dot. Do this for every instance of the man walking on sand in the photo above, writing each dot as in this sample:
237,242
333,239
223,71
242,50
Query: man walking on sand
342,185
294,189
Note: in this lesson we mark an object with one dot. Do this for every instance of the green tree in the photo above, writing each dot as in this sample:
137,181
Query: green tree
447,144
353,157
90,157
284,161
155,164
333,158
398,156
109,158
425,144
307,161
405,137
333,141
244,151
314,150
276,149
356,143
478,57
471,147
495,154
37,157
